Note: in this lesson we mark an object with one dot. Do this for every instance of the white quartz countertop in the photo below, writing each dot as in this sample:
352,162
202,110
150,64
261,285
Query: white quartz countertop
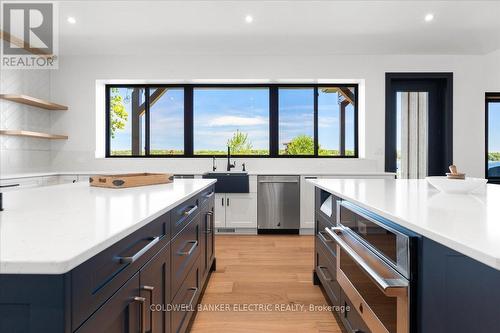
469,224
52,229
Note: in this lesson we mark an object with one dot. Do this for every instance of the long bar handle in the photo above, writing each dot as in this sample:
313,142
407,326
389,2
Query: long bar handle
195,289
187,253
142,302
10,185
278,181
191,211
392,289
320,270
129,260
211,215
150,290
323,238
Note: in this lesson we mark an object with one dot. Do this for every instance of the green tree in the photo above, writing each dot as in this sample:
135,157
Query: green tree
494,156
118,114
300,145
239,143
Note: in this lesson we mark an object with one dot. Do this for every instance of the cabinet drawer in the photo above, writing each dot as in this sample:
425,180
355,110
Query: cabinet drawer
155,288
207,194
185,300
326,269
351,319
183,214
94,281
321,224
119,314
185,250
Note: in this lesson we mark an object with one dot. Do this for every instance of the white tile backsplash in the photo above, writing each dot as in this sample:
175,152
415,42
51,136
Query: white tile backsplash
21,154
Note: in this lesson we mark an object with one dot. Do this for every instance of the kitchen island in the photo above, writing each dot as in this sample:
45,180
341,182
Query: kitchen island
408,258
75,258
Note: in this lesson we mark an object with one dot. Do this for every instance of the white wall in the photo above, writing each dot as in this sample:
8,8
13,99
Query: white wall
492,65
18,154
74,84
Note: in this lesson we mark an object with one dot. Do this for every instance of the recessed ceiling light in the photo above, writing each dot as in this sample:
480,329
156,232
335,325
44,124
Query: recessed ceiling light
249,19
429,17
71,20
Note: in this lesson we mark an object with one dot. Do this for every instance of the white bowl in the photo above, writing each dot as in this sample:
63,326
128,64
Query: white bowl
458,186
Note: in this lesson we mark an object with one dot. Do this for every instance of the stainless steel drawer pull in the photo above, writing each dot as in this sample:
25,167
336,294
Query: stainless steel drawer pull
193,247
150,289
390,287
278,181
211,194
142,302
191,211
323,275
208,223
129,260
195,289
323,238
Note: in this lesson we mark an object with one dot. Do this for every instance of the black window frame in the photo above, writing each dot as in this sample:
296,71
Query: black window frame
489,97
273,118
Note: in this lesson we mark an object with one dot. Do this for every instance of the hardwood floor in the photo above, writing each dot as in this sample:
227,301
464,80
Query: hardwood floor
273,270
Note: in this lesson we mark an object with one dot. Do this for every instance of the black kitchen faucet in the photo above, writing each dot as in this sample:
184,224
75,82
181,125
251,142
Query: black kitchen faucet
229,165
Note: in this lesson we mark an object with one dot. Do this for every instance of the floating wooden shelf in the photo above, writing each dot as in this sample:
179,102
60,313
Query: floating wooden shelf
33,101
34,134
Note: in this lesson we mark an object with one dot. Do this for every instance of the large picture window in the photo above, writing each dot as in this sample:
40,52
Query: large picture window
234,117
296,121
257,120
166,107
336,121
127,121
493,136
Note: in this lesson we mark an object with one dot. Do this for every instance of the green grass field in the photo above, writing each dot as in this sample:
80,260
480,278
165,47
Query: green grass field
254,152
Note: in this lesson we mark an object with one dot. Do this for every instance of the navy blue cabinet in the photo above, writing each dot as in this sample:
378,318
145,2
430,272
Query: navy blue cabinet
155,289
121,313
455,293
129,287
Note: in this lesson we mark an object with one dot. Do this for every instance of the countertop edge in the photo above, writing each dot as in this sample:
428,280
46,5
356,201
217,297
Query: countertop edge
485,258
65,266
24,175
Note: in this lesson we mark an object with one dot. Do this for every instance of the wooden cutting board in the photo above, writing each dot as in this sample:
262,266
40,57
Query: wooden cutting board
130,180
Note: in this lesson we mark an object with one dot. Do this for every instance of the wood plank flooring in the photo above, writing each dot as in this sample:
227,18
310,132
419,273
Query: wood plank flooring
269,270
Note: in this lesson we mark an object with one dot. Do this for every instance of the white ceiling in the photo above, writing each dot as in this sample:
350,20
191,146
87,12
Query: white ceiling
279,27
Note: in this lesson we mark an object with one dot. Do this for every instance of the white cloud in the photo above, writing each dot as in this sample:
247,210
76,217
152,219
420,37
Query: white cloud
237,121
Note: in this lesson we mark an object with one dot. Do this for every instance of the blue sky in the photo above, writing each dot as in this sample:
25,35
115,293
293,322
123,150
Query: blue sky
167,121
218,113
246,110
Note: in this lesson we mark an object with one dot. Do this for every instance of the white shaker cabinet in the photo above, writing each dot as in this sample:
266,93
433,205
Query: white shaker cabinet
220,210
241,210
236,210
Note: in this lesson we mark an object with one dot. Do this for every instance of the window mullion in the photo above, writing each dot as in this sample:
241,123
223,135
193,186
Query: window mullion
188,121
273,122
316,146
147,120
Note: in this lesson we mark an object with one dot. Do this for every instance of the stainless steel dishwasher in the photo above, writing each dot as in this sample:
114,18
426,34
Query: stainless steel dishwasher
278,204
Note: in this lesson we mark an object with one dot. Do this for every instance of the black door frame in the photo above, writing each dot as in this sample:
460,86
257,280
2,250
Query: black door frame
444,80
488,97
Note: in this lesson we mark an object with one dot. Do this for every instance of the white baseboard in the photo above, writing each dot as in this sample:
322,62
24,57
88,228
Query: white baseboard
307,231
